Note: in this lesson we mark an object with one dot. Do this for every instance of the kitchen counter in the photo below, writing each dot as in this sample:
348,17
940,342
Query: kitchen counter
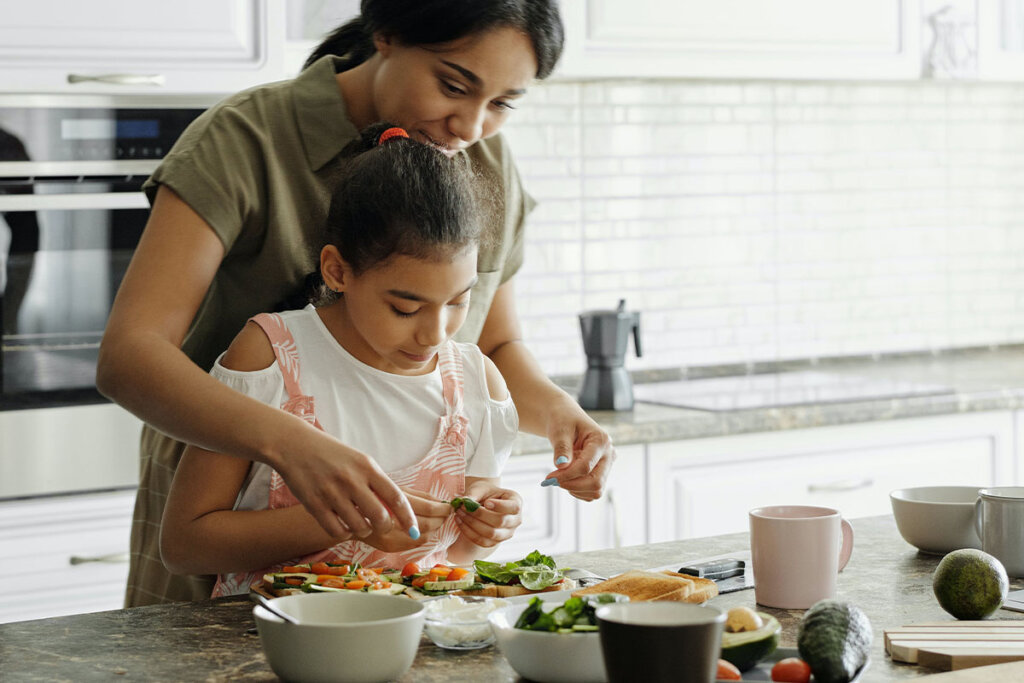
887,578
977,380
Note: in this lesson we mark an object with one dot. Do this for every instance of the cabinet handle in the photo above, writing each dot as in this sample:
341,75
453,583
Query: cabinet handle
616,524
113,558
118,79
836,486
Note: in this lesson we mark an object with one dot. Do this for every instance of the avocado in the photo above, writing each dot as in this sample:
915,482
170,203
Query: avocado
744,649
834,640
970,584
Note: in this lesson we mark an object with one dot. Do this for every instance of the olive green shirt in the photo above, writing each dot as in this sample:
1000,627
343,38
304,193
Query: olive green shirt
257,168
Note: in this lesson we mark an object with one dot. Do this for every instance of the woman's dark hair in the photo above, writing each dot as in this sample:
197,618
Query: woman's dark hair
428,22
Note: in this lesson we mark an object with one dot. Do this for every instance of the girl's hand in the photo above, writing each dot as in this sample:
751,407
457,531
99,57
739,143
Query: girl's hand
497,518
583,452
430,512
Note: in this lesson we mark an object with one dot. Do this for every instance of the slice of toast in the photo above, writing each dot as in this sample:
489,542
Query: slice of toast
494,590
700,590
640,585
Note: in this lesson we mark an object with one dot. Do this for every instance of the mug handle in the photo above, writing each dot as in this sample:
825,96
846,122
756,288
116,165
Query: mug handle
977,517
847,549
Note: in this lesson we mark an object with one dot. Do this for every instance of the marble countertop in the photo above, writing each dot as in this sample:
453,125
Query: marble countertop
210,640
978,379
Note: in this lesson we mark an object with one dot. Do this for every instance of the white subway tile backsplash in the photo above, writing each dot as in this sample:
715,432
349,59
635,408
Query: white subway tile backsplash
754,222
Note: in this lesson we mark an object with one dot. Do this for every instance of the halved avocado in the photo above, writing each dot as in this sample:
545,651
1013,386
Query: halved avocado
747,648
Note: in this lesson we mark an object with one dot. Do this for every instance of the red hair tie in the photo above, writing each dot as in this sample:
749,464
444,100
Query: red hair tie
391,133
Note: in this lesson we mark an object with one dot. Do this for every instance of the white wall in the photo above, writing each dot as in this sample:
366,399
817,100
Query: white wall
768,221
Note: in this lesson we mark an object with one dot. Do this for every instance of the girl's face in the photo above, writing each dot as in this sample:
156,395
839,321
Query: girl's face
454,94
394,317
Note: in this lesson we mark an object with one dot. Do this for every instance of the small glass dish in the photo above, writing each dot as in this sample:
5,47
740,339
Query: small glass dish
460,623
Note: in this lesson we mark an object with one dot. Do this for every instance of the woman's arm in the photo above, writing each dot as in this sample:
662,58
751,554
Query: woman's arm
583,452
141,367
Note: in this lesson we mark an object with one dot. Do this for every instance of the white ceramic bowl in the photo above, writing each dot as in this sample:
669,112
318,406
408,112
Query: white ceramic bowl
936,519
547,657
350,637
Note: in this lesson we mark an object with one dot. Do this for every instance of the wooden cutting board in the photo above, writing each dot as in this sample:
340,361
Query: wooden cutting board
956,645
982,674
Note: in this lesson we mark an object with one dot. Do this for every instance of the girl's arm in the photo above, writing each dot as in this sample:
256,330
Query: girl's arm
142,368
203,534
583,452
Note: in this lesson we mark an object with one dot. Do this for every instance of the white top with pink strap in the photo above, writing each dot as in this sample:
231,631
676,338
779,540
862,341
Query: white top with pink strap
450,426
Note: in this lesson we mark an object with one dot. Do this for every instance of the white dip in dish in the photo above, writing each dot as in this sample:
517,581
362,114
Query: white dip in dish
457,623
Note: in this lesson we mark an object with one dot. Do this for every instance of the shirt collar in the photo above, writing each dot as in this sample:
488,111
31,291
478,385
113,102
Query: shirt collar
320,112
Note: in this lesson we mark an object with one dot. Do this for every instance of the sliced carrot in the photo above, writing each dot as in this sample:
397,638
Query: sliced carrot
294,570
440,570
420,580
410,569
457,573
356,585
320,568
323,578
337,571
294,582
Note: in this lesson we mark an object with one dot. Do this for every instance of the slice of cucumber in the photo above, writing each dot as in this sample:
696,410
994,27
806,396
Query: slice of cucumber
461,584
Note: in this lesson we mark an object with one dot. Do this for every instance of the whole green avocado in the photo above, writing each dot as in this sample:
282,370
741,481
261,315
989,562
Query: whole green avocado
835,640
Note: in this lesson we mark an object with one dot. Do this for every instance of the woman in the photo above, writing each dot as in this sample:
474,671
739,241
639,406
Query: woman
237,209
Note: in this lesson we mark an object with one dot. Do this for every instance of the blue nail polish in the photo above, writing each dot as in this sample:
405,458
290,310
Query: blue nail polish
414,533
561,460
550,481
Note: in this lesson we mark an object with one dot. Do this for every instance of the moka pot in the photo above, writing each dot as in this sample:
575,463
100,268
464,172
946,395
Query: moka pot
606,383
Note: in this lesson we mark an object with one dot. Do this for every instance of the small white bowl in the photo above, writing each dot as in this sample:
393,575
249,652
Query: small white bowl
349,637
547,657
936,519
460,623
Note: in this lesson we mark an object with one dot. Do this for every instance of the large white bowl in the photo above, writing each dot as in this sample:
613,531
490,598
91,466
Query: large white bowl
547,657
348,637
936,519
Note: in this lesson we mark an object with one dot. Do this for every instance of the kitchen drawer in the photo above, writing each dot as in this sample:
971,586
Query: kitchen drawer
549,514
706,486
69,551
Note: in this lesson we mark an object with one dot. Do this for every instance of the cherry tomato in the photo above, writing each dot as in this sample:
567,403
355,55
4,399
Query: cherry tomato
727,671
791,670
410,569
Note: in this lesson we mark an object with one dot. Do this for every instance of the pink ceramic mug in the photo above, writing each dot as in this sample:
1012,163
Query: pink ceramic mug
797,551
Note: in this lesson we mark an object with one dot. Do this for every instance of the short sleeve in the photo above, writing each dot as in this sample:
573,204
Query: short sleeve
494,439
266,385
217,168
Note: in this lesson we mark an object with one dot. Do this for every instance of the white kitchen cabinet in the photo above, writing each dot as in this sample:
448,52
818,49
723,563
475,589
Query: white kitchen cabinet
619,517
64,555
1001,40
549,514
820,39
141,46
704,487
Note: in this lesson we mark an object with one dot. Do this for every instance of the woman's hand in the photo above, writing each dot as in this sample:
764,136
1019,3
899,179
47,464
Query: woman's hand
430,512
583,452
497,518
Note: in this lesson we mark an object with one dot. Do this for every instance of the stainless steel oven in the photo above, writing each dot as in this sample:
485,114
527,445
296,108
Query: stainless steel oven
71,212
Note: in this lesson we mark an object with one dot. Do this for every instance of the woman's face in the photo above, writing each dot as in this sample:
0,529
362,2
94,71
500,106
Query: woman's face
454,94
395,316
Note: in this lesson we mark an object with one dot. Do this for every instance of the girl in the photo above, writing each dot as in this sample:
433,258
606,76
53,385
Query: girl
230,235
377,368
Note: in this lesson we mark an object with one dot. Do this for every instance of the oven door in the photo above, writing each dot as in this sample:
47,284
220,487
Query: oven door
65,243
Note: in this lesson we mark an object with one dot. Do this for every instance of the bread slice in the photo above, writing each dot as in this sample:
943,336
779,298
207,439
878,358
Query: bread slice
644,586
640,585
495,590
